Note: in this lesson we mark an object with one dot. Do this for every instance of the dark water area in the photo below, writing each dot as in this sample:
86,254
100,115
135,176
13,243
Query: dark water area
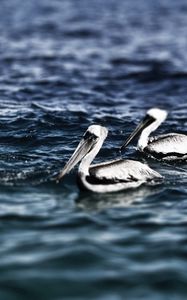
63,66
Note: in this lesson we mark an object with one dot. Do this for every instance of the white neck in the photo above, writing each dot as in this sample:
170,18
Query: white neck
144,137
87,160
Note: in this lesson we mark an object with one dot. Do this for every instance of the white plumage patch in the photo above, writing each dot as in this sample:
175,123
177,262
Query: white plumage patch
169,143
124,170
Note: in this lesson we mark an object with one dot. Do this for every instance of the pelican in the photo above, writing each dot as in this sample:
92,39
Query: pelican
111,176
167,147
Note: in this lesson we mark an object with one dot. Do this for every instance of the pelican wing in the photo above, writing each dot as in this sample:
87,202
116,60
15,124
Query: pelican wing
123,171
173,143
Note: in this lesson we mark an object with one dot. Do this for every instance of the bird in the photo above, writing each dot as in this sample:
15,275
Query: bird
165,147
111,176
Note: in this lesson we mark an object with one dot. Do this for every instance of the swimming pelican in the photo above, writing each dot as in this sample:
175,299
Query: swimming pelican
109,176
168,147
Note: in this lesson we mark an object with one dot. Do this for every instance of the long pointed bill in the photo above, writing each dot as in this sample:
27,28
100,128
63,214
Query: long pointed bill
82,149
148,120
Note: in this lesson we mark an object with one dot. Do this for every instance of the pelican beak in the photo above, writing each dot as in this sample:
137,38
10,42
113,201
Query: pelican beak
148,120
85,145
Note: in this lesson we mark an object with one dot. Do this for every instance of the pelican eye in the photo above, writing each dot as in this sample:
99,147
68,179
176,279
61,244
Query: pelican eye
148,120
89,135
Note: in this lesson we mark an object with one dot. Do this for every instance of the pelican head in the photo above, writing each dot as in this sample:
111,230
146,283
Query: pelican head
90,143
158,114
154,117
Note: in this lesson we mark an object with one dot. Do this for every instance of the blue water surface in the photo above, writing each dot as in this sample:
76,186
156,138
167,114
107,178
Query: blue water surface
63,66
